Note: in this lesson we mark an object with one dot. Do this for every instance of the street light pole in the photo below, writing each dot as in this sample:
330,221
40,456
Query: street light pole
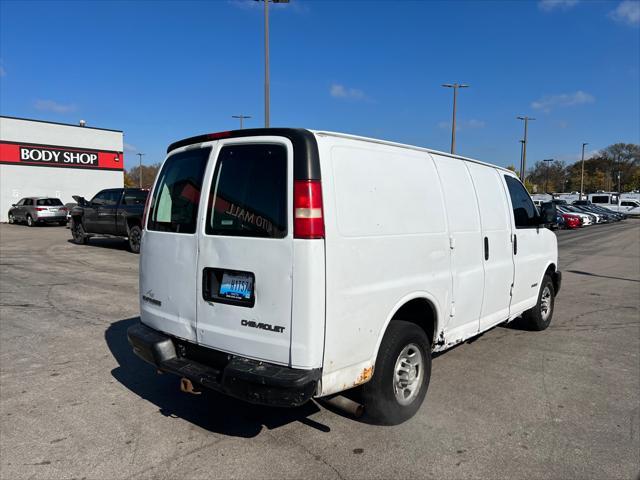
140,155
241,117
266,59
582,174
523,163
266,64
546,176
455,87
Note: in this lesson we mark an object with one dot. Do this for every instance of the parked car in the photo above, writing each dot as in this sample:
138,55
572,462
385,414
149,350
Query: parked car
609,215
572,221
278,265
115,212
585,219
36,210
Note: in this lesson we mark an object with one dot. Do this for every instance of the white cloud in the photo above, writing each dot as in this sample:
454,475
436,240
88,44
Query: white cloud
549,5
51,106
549,102
130,148
627,12
340,91
463,124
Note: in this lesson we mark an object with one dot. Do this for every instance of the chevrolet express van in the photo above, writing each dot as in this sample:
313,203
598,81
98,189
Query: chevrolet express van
279,265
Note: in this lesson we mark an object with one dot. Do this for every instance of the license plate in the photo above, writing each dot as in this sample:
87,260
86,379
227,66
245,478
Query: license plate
236,287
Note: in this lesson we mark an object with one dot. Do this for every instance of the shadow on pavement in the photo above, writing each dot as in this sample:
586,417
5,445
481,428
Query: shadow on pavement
105,242
210,410
579,272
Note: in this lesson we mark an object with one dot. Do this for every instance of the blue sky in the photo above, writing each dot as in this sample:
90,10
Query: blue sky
162,71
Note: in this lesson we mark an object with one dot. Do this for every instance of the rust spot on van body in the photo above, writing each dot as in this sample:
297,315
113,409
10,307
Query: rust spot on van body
365,376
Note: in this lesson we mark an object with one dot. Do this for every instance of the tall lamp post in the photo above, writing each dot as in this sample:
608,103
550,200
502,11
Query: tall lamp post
546,175
523,159
455,87
582,174
241,117
266,58
140,155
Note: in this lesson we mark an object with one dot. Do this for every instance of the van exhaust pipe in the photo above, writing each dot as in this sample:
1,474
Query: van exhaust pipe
187,387
345,405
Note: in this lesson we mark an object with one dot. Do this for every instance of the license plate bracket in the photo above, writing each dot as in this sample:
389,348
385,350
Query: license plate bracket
233,287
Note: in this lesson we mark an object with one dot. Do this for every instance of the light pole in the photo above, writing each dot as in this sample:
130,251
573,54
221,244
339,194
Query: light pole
140,155
455,87
241,117
266,58
546,175
582,174
523,162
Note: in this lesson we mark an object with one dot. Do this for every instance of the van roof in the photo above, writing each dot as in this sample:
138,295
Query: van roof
302,135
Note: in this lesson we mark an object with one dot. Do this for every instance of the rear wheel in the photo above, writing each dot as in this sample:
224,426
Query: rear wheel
539,317
77,232
401,375
30,221
135,235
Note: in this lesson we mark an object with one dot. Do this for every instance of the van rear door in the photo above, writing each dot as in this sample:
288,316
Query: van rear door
245,259
169,248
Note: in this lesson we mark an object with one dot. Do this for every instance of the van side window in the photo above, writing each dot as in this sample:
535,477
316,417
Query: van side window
524,211
176,197
248,195
600,199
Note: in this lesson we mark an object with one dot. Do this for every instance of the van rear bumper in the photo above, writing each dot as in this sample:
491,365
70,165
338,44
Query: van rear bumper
249,380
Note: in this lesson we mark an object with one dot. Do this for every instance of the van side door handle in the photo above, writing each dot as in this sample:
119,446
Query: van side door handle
515,244
486,248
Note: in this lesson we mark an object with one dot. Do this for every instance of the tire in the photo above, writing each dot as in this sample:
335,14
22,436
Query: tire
78,233
539,317
12,219
30,222
384,403
135,235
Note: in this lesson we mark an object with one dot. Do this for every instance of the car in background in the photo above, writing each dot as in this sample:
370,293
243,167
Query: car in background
35,210
630,207
597,217
585,218
609,215
571,221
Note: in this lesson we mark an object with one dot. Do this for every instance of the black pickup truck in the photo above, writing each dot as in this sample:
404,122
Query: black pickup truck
115,212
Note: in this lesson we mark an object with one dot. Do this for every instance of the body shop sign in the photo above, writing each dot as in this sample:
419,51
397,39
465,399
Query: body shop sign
46,155
25,154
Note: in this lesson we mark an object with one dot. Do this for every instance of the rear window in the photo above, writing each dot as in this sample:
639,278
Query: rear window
174,207
48,201
135,197
248,195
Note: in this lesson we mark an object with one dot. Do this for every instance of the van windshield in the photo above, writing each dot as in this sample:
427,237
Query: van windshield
174,206
249,192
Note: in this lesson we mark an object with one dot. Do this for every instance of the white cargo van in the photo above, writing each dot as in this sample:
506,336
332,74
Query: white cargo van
280,265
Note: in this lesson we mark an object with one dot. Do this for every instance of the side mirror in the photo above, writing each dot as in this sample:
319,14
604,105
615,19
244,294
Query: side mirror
13,204
548,213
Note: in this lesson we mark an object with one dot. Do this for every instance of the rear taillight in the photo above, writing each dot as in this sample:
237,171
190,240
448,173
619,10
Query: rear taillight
308,219
41,209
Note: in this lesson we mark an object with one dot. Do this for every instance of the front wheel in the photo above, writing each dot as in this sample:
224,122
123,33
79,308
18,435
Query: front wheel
12,218
135,236
539,317
77,232
401,375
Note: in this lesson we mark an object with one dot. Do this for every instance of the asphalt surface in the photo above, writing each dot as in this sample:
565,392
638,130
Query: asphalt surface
76,403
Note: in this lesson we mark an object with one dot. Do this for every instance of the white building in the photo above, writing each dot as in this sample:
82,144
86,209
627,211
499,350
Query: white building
39,158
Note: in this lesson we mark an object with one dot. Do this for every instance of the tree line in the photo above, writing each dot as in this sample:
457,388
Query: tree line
600,172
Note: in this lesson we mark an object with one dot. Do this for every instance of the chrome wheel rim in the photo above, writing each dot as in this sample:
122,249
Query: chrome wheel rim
408,374
10,218
29,221
545,303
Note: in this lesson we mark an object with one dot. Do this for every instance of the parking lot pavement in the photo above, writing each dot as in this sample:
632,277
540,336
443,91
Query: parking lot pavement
76,403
